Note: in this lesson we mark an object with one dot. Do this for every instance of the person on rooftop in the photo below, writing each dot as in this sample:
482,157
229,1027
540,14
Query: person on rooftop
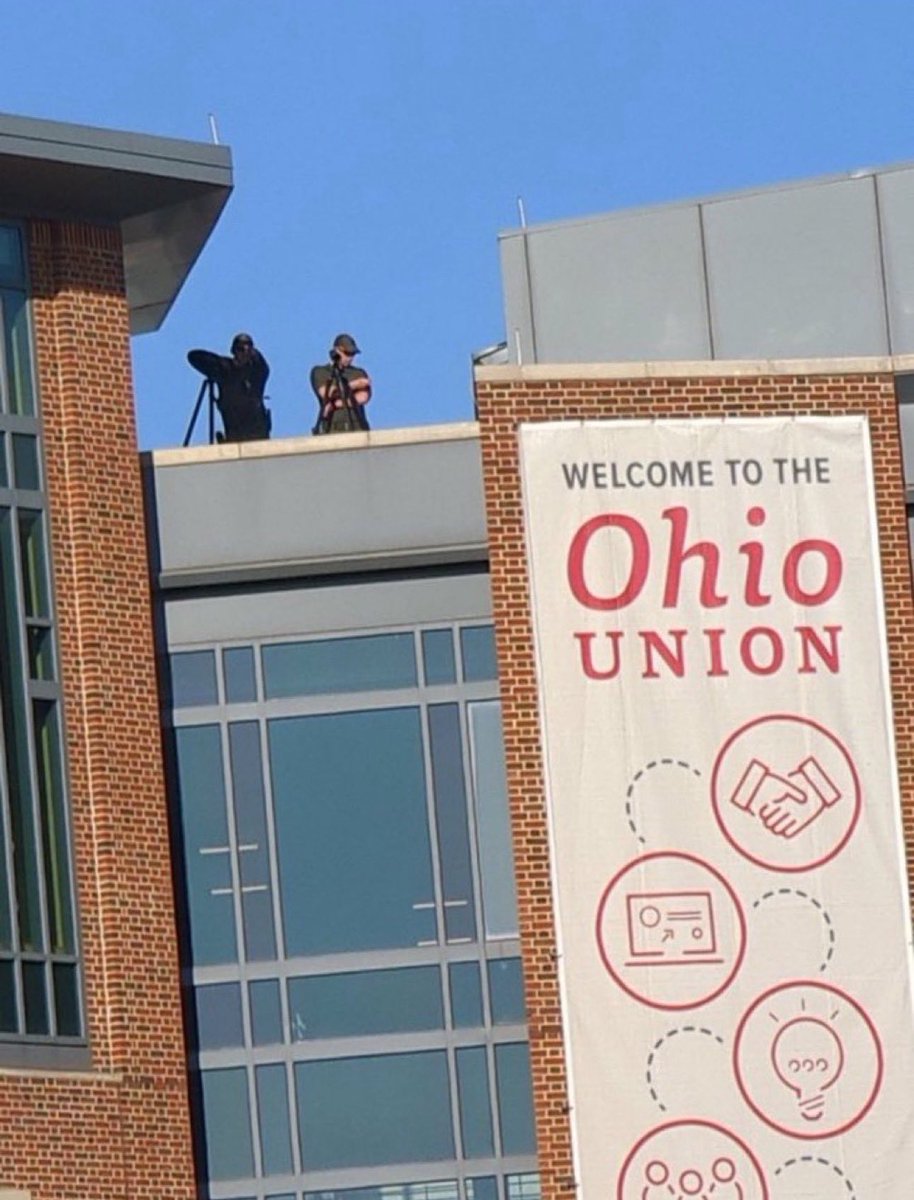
241,380
342,389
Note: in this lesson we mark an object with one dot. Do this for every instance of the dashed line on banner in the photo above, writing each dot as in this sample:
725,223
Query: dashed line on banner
824,1162
657,762
666,1037
829,925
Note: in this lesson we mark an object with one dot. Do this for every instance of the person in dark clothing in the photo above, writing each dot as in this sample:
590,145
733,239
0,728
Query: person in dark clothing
240,380
342,389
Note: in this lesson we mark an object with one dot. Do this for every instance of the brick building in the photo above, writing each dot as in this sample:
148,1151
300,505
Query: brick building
296,769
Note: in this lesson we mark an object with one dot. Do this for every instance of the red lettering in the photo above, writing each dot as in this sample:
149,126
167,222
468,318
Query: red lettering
715,652
829,656
672,656
747,650
755,558
585,645
708,553
833,571
637,574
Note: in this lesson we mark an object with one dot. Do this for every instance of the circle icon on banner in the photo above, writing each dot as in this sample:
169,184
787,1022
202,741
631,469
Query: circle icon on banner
785,793
691,1158
671,931
807,1059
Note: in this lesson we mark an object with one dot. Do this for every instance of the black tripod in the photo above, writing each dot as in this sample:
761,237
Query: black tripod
208,389
340,385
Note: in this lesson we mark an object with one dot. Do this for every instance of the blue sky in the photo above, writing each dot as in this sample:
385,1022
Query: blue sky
380,146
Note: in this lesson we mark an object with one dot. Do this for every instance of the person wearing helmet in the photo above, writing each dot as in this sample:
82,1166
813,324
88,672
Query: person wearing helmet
240,380
342,389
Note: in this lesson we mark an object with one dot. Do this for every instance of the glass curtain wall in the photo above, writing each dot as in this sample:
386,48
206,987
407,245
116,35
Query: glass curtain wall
39,980
358,996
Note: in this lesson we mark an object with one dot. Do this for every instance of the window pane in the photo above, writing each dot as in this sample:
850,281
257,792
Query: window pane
219,1022
53,827
238,669
227,1124
66,1000
515,1098
206,850
441,1189
9,1022
35,997
251,831
360,1003
18,356
25,462
358,664
506,991
266,1012
11,266
475,1107
4,477
523,1187
273,1116
34,572
438,656
41,651
496,860
352,831
466,995
477,649
483,1187
451,815
193,678
389,1108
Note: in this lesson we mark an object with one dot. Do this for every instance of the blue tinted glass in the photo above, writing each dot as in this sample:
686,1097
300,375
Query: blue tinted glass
523,1187
251,832
283,1196
441,1189
207,861
506,991
438,656
352,831
365,1002
358,664
20,387
466,995
483,1187
355,1112
193,679
475,1108
25,462
273,1117
4,477
227,1122
266,1012
515,1098
493,825
238,669
11,267
477,649
219,1020
451,819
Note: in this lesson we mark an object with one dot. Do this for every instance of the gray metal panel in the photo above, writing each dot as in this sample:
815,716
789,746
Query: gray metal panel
378,604
284,514
630,287
896,207
797,273
516,298
166,195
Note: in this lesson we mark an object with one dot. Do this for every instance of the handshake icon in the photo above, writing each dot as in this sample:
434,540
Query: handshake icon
785,804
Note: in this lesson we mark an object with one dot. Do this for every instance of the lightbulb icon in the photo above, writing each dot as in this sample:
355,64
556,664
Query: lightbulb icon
808,1058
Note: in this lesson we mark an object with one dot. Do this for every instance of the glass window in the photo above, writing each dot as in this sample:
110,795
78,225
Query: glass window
227,1124
352,831
441,1189
355,1112
35,998
477,650
475,1107
66,999
9,1018
15,330
251,833
34,572
523,1187
266,1012
355,664
466,995
193,678
438,656
207,861
493,825
506,991
273,1117
515,1098
4,477
451,819
11,265
483,1187
219,1021
359,1003
25,462
53,827
238,669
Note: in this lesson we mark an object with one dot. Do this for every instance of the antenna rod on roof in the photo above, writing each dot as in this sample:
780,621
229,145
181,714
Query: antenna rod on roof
522,213
213,128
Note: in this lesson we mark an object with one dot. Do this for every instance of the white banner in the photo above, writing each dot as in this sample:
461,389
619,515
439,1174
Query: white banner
729,880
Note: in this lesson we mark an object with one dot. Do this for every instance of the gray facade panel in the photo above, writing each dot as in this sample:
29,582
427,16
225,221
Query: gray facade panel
516,291
630,287
896,204
797,274
289,513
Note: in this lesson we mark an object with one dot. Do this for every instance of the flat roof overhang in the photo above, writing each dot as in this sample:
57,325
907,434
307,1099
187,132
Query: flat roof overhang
165,194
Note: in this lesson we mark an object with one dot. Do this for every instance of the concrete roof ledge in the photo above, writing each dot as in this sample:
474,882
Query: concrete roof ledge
558,372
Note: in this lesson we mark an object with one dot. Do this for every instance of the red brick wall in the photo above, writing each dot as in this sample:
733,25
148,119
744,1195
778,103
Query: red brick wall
501,406
122,1128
